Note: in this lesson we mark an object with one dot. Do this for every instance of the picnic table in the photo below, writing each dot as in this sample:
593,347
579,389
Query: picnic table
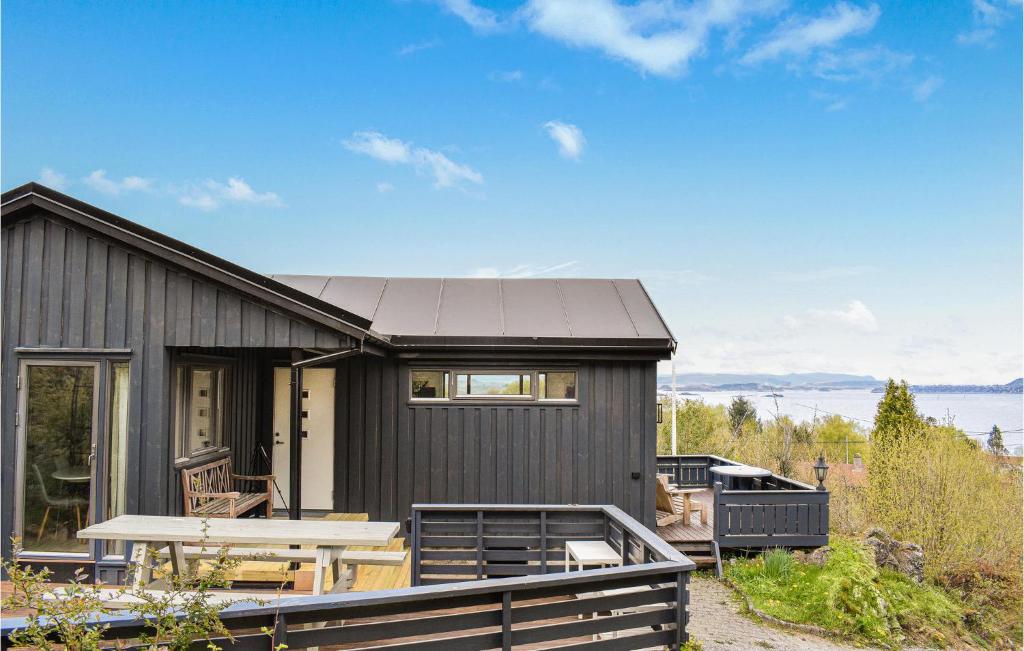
329,538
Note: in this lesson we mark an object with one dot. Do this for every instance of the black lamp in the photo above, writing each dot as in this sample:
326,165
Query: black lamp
821,471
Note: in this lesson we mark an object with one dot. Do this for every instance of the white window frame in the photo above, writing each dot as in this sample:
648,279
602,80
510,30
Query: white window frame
453,379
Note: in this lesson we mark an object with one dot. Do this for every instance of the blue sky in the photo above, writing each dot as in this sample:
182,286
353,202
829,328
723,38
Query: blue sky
828,186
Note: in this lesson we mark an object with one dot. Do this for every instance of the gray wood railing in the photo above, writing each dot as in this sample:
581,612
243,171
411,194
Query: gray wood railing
779,512
534,602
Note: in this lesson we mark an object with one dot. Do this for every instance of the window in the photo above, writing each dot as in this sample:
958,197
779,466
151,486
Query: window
465,384
199,408
58,451
494,385
430,384
557,385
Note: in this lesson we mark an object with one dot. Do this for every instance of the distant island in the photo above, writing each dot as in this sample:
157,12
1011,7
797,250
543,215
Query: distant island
1016,386
688,382
767,382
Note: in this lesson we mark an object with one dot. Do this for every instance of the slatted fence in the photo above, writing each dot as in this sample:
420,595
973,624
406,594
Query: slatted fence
534,602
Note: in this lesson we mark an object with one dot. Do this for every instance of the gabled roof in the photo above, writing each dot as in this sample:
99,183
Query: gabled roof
26,200
497,311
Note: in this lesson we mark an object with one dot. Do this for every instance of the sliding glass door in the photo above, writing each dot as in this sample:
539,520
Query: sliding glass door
58,442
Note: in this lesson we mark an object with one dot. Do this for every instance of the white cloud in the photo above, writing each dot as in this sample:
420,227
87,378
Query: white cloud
855,315
569,268
376,145
986,16
479,18
800,35
446,172
413,48
211,195
51,178
98,181
871,63
384,187
506,76
569,137
657,37
924,90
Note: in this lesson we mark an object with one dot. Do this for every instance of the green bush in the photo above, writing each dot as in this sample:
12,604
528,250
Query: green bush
850,597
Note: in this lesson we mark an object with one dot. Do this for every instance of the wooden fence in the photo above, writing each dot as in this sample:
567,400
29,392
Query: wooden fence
779,512
640,604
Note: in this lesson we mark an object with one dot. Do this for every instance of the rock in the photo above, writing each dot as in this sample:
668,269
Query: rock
815,557
904,557
819,556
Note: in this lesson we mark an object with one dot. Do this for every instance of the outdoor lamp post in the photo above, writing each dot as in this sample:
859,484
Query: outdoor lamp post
821,471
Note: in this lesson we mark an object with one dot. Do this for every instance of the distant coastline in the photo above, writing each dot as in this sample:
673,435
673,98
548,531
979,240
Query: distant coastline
690,382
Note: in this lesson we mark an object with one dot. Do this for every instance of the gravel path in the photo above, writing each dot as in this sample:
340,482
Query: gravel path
717,623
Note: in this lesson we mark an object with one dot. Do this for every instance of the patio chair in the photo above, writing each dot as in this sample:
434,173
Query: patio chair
57,502
669,511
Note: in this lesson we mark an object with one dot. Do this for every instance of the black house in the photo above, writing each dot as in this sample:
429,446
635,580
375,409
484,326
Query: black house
128,355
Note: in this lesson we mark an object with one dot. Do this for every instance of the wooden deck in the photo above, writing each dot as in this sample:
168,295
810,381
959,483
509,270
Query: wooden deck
694,532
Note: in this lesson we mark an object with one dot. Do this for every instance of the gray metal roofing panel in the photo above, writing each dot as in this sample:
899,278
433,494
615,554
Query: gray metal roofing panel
360,293
533,308
469,307
408,306
541,308
311,285
641,310
595,309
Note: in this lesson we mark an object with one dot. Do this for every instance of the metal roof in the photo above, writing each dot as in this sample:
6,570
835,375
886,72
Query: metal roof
496,310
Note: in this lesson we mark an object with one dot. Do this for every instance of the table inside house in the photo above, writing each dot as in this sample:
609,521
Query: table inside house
739,477
150,534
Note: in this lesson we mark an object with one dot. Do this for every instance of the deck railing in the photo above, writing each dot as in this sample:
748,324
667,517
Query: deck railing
457,602
777,512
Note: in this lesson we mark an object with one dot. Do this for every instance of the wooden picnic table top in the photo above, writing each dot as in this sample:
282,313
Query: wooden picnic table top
741,471
324,533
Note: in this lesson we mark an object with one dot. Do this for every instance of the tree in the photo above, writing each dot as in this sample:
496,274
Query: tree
995,442
897,414
741,412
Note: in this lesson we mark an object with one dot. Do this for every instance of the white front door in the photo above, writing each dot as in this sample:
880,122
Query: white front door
317,432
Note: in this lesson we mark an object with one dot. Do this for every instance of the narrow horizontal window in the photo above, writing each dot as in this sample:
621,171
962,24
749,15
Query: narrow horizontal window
560,385
430,384
494,385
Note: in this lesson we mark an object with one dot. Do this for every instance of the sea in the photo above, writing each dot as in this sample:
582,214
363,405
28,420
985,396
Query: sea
975,413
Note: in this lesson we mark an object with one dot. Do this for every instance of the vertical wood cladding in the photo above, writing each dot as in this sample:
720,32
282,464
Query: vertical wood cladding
67,287
391,453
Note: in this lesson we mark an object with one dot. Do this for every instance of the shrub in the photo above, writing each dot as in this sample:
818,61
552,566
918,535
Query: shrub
849,596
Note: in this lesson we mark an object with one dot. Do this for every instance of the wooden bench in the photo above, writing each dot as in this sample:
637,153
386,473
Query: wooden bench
350,559
348,556
126,598
209,491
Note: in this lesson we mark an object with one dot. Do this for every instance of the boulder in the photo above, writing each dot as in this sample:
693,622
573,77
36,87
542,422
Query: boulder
815,557
903,557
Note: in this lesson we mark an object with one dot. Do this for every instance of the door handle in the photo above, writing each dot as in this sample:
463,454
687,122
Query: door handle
92,456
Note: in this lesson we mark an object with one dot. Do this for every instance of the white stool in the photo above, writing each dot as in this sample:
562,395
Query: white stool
590,552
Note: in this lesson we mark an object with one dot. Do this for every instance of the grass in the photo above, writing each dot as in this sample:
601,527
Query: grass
850,597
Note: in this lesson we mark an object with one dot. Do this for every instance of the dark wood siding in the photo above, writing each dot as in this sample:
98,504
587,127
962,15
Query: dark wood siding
391,453
67,287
